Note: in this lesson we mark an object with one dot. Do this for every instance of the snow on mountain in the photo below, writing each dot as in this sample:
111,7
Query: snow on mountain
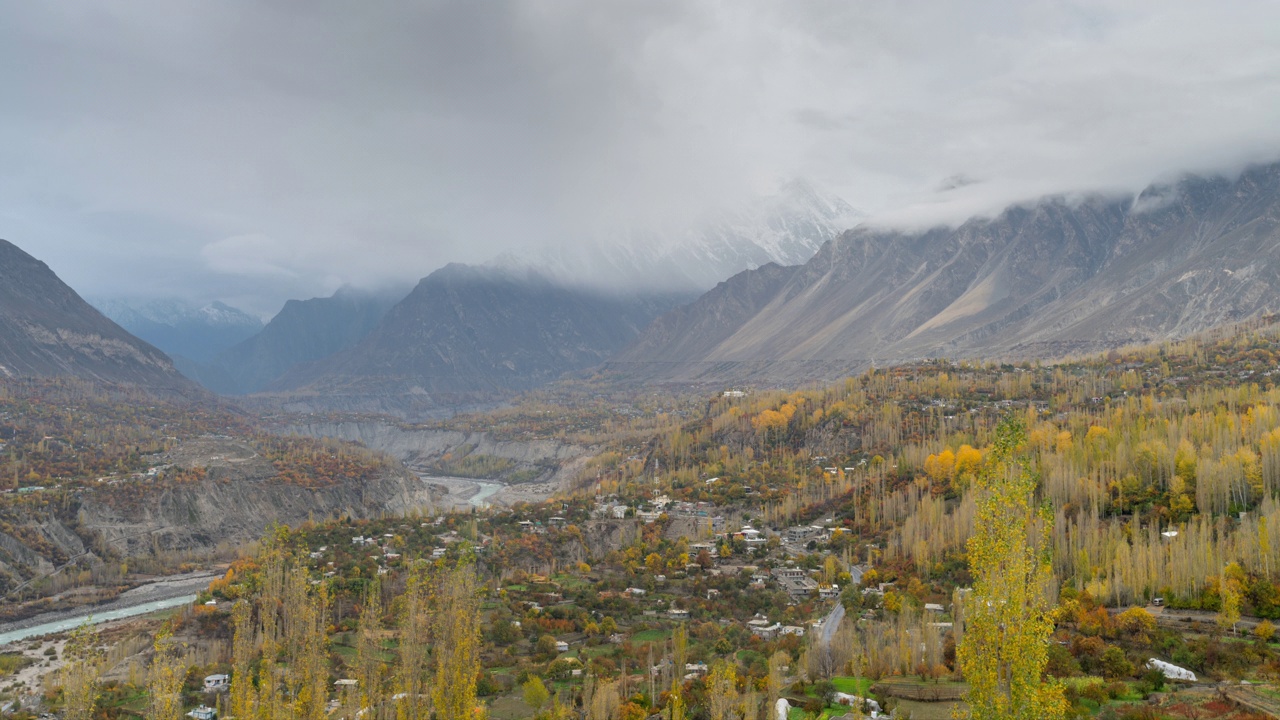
173,312
181,328
786,228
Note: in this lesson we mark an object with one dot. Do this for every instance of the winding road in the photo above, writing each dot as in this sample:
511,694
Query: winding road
831,623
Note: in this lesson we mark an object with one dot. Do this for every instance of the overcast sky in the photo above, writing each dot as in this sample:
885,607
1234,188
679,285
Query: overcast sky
257,151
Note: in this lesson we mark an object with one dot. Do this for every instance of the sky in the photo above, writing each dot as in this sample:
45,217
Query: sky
257,151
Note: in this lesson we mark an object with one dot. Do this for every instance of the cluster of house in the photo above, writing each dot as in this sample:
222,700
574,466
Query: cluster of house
795,581
536,526
751,536
648,512
692,671
763,629
801,534
219,683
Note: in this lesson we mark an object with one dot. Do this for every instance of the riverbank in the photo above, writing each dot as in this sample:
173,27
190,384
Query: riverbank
464,493
167,588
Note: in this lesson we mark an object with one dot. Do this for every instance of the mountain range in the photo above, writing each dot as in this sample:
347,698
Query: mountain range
303,331
47,330
183,330
467,334
1043,280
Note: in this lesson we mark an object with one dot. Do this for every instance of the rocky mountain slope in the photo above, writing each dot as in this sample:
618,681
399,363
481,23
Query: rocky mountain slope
47,330
303,331
1044,280
180,328
468,333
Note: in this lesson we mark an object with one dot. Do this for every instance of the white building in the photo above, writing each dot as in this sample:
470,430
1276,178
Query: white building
216,683
1171,671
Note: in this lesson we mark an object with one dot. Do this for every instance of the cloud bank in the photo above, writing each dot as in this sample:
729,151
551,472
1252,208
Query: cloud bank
254,152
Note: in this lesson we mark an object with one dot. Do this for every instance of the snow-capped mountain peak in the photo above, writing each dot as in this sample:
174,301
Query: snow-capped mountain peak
785,228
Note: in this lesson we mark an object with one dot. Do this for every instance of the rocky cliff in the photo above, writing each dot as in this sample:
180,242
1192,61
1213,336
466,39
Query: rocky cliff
548,461
201,517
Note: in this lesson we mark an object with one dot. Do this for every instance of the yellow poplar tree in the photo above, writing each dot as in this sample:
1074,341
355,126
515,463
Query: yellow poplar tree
370,669
1007,620
242,651
79,677
457,638
773,683
415,639
1229,610
164,682
722,691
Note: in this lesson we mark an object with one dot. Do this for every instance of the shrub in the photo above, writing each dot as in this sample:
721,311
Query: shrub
1115,664
1096,692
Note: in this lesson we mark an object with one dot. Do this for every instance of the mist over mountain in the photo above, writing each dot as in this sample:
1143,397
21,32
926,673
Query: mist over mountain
303,331
180,328
47,330
1045,280
786,228
467,334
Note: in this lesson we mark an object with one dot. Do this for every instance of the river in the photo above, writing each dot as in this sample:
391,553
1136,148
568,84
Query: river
71,623
487,490
466,491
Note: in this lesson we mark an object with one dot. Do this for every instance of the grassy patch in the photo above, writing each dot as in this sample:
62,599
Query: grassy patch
853,686
929,710
477,466
11,663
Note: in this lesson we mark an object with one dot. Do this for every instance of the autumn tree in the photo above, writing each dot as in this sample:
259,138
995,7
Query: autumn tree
1229,592
370,669
676,705
601,700
722,691
411,674
164,681
243,647
457,636
79,676
1008,624
535,693
776,679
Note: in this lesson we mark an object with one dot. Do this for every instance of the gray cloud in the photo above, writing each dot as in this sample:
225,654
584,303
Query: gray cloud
255,151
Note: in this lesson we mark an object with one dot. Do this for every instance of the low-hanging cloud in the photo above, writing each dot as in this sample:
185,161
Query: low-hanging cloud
372,143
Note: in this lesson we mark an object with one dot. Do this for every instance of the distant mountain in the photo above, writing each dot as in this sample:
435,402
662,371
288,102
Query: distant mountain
1042,280
786,228
47,330
303,331
468,333
180,328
